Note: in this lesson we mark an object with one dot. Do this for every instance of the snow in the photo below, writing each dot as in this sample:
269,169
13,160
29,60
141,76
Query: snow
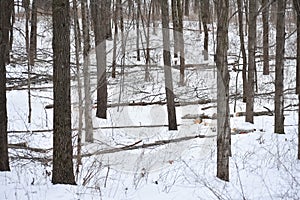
263,164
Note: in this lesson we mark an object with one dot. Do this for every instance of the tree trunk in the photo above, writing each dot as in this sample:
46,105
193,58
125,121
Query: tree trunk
138,11
242,46
62,132
33,34
147,35
251,60
86,73
265,19
279,67
114,57
79,86
297,8
167,66
223,126
175,27
107,18
6,9
187,8
205,19
99,20
181,42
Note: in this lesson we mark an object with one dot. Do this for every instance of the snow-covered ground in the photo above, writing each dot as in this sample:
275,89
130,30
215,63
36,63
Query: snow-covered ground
263,165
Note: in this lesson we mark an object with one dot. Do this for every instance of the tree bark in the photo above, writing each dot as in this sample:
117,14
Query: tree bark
251,60
100,24
223,117
6,9
175,27
138,12
33,34
242,46
62,132
205,20
265,19
167,66
181,42
114,57
297,8
86,72
279,67
187,8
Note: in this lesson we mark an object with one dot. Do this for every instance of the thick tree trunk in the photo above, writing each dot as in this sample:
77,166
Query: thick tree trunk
279,67
242,46
6,8
100,22
167,66
223,124
251,60
86,73
187,7
265,18
62,132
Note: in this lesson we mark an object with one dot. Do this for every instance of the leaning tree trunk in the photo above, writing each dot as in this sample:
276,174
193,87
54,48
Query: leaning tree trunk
6,8
167,66
223,126
279,67
297,8
62,132
251,60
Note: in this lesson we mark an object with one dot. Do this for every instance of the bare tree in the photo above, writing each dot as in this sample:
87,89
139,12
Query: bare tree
99,17
114,57
265,19
167,66
186,7
62,132
177,16
6,9
242,46
86,72
33,34
297,8
279,67
138,13
251,60
223,126
205,20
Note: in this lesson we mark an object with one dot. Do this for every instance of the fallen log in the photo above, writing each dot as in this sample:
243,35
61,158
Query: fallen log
261,113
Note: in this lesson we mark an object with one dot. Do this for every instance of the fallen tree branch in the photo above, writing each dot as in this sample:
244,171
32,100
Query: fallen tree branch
143,146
